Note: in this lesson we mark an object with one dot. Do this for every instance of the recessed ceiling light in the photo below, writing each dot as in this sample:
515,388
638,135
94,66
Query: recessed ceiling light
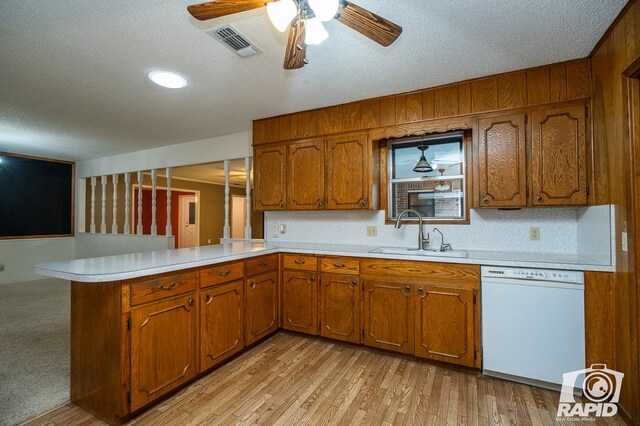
167,79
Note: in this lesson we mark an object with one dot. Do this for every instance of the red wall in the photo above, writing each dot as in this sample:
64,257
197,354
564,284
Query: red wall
161,211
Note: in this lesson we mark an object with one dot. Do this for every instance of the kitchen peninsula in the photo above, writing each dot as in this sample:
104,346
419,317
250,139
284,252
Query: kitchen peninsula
145,324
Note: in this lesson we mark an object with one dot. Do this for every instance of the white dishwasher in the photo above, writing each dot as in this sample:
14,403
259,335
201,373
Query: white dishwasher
532,324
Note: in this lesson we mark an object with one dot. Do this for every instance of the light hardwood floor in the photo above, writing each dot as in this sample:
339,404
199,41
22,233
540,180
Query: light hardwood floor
296,380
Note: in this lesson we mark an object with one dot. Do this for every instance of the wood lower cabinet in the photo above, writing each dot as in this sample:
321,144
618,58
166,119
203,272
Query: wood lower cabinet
445,326
260,306
388,318
221,323
349,176
270,185
501,161
340,307
559,156
163,348
300,301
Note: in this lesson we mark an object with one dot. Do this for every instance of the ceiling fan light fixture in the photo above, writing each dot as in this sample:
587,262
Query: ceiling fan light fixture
326,10
167,79
281,13
315,32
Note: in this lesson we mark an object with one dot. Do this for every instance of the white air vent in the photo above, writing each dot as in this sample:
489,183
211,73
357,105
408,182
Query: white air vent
235,41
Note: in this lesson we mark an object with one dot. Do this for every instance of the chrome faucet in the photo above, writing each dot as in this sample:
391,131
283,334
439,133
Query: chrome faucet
421,240
443,246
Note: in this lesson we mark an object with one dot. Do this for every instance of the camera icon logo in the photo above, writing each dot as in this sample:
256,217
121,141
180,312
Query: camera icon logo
600,385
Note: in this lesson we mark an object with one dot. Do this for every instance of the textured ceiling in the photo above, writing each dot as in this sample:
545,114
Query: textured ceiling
73,73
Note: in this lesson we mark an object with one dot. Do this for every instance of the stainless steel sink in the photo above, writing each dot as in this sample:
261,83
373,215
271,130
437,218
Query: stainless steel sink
416,252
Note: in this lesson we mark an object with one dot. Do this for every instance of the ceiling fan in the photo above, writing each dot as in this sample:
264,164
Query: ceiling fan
304,19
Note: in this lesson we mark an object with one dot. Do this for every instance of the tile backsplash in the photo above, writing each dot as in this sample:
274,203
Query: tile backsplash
503,230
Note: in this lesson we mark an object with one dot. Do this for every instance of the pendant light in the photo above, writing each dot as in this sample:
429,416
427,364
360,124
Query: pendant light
423,165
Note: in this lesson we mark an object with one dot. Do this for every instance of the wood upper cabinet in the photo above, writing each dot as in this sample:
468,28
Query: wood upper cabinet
221,323
269,165
445,325
349,176
260,306
388,315
340,307
501,161
163,348
300,301
558,156
305,175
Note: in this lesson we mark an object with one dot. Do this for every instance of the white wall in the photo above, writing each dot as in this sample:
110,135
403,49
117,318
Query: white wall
19,256
95,245
237,145
504,230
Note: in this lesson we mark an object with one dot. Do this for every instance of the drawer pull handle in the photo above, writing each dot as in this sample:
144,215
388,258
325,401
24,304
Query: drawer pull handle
339,265
420,291
485,200
539,199
190,302
299,261
207,297
263,264
169,287
311,279
224,273
252,284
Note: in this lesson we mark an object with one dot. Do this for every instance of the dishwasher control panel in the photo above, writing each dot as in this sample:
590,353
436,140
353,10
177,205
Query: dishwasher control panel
532,274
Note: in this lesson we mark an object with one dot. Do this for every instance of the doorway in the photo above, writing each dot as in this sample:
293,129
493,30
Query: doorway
188,235
238,215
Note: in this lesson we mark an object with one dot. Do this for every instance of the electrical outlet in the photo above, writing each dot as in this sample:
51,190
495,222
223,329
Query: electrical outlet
372,231
534,233
283,228
209,241
274,230
1,268
624,242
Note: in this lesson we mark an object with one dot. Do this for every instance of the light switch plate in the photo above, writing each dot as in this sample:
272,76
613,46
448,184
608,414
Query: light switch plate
534,233
372,231
283,228
274,230
624,242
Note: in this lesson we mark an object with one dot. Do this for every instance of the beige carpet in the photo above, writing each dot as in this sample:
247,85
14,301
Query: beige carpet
34,348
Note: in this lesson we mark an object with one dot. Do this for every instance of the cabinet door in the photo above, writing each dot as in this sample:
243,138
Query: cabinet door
501,161
445,326
300,301
340,307
558,156
269,178
348,173
261,306
163,348
388,319
305,176
221,318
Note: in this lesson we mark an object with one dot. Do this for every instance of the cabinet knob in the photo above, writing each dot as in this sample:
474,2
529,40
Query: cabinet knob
540,198
252,284
191,302
339,265
311,279
263,264
485,200
319,204
299,261
354,283
224,272
282,205
420,291
407,288
362,203
207,297
169,287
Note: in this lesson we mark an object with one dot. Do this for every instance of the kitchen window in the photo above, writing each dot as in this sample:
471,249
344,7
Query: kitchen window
439,194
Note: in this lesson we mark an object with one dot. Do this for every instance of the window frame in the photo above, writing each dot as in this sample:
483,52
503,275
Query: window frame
386,168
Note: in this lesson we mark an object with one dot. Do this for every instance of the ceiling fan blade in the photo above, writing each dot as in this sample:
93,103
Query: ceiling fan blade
369,24
296,52
218,8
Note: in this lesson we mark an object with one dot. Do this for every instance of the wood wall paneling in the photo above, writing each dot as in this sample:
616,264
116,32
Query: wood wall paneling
370,113
558,83
445,101
413,105
387,111
484,94
538,86
351,117
578,80
464,98
512,91
428,104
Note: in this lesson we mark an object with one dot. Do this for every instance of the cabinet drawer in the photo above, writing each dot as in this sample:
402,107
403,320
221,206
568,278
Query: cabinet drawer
162,287
340,265
300,261
221,274
262,264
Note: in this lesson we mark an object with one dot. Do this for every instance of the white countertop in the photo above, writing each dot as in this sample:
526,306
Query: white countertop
113,268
